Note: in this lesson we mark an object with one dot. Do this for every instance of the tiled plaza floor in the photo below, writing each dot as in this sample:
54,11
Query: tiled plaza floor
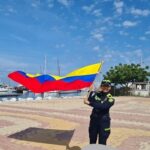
63,123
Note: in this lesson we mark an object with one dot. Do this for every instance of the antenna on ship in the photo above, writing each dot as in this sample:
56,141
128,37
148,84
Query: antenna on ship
58,66
44,71
58,69
45,64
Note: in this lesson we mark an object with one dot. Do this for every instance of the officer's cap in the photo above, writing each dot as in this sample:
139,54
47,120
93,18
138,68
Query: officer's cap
106,83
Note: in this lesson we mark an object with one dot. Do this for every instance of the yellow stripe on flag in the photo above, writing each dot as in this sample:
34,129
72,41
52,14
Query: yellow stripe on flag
87,70
33,75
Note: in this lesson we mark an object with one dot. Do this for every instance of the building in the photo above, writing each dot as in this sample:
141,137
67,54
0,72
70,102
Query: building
141,89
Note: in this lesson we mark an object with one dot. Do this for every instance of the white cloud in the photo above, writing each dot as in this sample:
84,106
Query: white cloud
133,56
72,27
8,10
138,52
8,63
97,12
147,32
103,28
119,6
65,2
117,25
117,56
98,36
143,38
19,38
50,3
59,45
108,20
106,0
88,9
128,23
123,33
35,3
129,46
96,48
140,12
108,56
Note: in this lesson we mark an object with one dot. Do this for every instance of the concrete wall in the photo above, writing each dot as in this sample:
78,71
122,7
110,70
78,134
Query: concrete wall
141,93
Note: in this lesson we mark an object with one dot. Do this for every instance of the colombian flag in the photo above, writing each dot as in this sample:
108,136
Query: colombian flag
76,80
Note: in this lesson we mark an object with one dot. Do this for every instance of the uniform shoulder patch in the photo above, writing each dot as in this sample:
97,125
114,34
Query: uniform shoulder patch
97,98
109,95
110,98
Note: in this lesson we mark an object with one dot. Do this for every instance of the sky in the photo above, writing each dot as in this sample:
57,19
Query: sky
74,32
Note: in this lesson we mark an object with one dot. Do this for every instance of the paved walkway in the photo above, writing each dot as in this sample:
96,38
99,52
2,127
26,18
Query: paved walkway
63,123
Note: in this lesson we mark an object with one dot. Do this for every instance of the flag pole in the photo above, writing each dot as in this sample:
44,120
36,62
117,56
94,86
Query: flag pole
91,87
101,62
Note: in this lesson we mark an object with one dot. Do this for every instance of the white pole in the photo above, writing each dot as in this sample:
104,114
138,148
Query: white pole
58,66
91,87
45,71
45,65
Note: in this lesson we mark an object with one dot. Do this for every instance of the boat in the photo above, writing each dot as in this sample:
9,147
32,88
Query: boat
6,91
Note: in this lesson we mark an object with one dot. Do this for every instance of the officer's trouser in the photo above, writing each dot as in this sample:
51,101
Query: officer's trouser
99,127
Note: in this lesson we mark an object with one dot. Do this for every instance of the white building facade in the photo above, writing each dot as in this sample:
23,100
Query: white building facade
141,89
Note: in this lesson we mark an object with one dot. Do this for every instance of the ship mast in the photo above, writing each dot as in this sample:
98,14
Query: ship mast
45,65
58,66
58,69
44,72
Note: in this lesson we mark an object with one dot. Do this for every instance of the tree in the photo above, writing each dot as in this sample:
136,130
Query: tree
123,74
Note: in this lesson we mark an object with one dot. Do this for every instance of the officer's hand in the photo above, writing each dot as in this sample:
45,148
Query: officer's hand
91,88
86,101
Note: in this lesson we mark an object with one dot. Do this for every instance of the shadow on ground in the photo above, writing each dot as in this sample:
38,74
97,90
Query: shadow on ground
48,136
73,148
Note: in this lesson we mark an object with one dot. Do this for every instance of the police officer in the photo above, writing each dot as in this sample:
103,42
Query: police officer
101,101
